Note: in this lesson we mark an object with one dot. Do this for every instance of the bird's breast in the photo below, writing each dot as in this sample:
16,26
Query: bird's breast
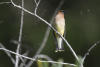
60,24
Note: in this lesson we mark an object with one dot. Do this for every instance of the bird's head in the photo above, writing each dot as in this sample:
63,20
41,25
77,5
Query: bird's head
62,11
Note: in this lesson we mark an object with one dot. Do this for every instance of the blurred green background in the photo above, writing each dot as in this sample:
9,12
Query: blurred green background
82,26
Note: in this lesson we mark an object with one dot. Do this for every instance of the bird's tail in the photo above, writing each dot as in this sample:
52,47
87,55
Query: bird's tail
59,45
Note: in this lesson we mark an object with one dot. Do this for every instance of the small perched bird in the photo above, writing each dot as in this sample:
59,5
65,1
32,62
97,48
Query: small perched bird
59,25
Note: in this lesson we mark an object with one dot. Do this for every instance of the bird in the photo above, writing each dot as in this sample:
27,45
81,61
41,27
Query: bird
59,25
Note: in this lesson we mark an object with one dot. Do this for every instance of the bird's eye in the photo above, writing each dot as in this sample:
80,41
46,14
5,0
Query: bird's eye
62,11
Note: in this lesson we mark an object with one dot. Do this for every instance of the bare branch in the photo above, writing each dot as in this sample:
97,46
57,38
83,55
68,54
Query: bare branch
71,49
18,6
20,35
33,58
37,4
44,56
16,54
45,38
9,55
23,64
58,63
89,50
46,34
4,3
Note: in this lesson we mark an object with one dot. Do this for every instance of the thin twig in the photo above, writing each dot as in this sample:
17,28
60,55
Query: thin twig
35,59
37,4
16,54
89,50
9,55
46,34
58,63
20,35
4,3
23,60
23,64
71,49
44,56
